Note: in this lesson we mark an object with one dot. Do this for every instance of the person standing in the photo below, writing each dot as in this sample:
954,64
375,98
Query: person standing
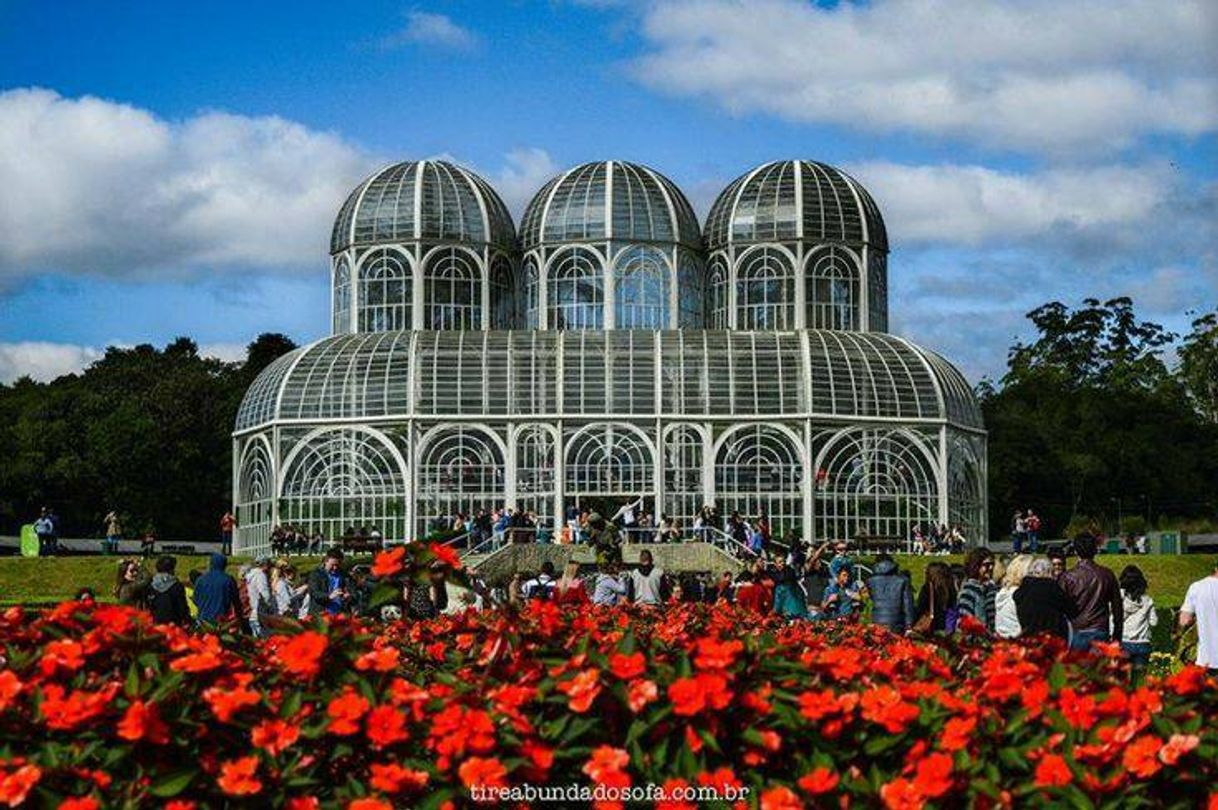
258,587
1140,617
647,581
541,587
227,524
1096,595
570,589
216,594
1041,604
978,593
167,595
789,597
1006,615
328,586
1201,606
1032,531
114,530
891,596
1018,526
45,529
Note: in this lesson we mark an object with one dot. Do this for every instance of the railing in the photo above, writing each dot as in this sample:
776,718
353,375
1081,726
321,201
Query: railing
452,541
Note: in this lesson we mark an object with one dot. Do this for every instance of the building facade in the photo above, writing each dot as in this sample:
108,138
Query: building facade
614,350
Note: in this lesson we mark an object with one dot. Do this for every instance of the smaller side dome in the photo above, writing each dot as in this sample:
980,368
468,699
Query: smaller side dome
795,199
609,199
426,199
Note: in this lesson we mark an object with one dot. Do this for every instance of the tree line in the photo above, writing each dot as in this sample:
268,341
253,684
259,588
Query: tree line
1100,418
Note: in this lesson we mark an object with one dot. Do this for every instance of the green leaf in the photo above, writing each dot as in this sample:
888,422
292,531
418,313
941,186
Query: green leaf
173,783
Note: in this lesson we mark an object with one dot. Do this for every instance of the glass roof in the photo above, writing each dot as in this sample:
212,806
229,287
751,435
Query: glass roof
609,200
396,375
795,199
426,199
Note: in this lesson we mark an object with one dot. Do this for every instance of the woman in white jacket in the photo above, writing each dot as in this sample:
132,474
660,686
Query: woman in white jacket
1140,617
1006,620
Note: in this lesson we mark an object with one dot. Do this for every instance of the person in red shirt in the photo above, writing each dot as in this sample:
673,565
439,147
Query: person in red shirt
570,589
755,592
227,524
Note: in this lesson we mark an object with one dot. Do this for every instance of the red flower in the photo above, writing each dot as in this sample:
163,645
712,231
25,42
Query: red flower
640,693
207,655
274,736
626,667
79,803
582,690
780,798
369,803
690,696
933,776
446,555
1052,771
393,778
299,803
382,659
1079,711
16,786
900,794
62,654
883,705
66,713
10,688
1178,746
142,721
721,780
819,780
482,772
956,733
237,777
388,563
301,654
1141,756
386,726
1188,681
606,765
456,730
345,712
225,703
670,788
715,654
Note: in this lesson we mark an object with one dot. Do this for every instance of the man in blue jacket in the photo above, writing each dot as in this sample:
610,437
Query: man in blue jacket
891,596
216,594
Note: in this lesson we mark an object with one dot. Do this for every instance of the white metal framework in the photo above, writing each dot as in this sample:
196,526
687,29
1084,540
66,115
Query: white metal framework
608,357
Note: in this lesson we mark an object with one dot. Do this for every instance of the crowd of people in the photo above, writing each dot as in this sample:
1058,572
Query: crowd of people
1022,595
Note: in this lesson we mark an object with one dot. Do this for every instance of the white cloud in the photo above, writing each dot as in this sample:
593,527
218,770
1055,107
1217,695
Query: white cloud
439,30
522,175
44,361
1037,75
99,187
973,205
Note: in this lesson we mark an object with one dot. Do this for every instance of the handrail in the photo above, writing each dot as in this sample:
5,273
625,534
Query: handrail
722,538
450,541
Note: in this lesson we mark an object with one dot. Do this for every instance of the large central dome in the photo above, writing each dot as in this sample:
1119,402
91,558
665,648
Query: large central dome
609,199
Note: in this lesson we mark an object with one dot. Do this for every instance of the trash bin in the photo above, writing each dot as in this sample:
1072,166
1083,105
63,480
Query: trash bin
1114,546
29,541
1169,543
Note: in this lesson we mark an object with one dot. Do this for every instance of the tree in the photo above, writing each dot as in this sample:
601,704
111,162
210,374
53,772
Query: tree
1199,365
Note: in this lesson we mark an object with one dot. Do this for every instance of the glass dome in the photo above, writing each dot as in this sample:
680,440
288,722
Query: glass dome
609,199
795,199
423,200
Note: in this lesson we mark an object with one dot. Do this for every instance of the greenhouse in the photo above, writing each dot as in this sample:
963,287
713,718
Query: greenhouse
610,353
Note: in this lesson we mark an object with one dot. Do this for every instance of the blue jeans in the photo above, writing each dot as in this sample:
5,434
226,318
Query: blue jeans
1138,652
1081,640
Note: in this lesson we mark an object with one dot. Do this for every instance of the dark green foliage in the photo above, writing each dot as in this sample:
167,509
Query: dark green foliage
143,431
1090,420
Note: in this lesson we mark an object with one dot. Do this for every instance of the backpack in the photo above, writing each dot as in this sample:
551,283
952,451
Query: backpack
543,591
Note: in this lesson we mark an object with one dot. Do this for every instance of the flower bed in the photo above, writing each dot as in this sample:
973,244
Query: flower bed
98,708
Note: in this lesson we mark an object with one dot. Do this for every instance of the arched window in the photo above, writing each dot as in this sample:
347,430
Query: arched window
765,291
535,482
609,461
684,493
964,501
641,297
341,302
503,294
874,484
460,472
345,479
717,302
385,298
577,291
532,295
255,493
759,470
877,291
691,297
832,289
452,291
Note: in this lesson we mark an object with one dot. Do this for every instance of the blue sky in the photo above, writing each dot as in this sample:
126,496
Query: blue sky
168,169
